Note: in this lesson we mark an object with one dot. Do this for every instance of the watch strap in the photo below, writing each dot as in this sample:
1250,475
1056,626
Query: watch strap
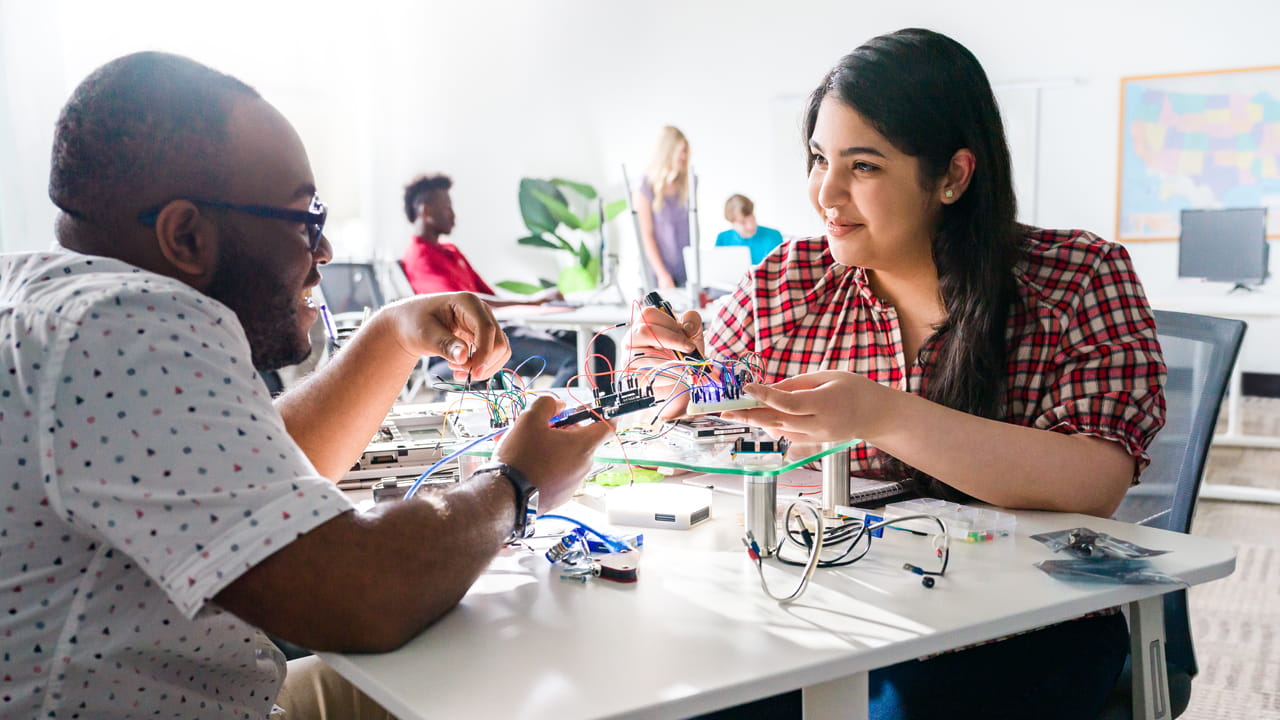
525,491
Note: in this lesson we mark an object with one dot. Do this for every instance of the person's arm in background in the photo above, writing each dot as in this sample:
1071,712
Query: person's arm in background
538,298
369,582
644,216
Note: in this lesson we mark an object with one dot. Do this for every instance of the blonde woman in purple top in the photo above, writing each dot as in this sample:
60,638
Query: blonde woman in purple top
662,208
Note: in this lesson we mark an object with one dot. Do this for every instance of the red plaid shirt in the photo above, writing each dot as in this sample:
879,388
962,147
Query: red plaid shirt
1084,357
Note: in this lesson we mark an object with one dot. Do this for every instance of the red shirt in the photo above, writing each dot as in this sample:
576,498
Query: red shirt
1083,353
440,267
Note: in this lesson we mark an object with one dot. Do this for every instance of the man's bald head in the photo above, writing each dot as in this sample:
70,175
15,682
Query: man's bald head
139,131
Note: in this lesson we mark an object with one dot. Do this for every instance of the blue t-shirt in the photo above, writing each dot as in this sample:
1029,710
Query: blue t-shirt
765,240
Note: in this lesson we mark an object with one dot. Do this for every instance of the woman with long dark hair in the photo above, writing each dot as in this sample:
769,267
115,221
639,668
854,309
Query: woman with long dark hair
975,357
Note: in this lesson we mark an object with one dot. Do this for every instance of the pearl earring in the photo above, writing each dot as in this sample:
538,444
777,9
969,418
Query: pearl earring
949,194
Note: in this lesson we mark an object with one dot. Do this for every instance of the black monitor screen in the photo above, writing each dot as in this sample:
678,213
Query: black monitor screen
1224,245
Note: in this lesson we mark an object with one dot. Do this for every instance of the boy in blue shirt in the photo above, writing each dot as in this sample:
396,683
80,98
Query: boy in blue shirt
740,212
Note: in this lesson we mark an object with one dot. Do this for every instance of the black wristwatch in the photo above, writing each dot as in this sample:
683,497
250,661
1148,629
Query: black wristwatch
526,494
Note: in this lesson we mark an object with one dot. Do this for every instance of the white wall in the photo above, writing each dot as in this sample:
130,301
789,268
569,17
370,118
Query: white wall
493,91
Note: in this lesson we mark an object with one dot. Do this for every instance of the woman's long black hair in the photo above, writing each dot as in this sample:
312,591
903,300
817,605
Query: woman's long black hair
929,96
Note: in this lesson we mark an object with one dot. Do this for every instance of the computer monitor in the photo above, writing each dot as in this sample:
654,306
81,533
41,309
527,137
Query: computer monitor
1224,245
350,287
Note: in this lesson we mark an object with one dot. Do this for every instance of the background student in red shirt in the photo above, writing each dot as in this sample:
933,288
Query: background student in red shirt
433,265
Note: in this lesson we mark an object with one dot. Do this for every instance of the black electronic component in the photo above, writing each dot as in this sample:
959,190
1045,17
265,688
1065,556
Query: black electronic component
628,397
760,447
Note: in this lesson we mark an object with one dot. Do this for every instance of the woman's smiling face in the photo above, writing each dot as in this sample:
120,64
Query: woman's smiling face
879,213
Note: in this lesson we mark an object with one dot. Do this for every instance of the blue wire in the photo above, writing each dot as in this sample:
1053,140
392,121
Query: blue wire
427,473
614,543
541,370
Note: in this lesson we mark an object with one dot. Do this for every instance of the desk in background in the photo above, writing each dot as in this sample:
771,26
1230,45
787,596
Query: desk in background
696,633
585,321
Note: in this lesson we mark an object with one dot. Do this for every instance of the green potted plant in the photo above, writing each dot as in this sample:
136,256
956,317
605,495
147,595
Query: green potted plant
553,223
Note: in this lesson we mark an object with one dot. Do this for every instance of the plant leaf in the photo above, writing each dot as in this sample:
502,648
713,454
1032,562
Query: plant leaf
558,209
591,222
584,254
546,283
564,244
612,209
534,212
520,288
539,241
582,189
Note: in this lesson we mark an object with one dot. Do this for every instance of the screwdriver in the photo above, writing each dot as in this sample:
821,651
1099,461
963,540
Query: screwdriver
653,299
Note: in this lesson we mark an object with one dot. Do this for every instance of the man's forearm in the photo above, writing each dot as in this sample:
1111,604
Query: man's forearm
333,414
369,582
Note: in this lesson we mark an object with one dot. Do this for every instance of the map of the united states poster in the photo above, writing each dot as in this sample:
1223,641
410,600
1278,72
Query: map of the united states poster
1208,140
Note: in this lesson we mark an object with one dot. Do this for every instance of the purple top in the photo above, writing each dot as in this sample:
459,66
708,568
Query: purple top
670,231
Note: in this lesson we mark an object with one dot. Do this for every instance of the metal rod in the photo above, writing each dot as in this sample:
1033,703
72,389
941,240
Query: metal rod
761,512
835,481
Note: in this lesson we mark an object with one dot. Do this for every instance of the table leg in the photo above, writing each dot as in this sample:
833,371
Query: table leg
845,698
1235,435
1146,649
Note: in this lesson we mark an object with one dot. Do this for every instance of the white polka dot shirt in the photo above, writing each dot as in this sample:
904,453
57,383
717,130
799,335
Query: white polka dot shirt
142,469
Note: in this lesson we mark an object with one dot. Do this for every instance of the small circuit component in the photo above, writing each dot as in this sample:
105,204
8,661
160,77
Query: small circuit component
721,395
709,399
744,449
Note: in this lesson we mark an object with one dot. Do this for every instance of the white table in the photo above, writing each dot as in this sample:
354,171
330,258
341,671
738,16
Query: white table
1242,306
696,633
585,321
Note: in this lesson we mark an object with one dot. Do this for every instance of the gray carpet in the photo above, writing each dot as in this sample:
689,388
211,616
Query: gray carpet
1235,621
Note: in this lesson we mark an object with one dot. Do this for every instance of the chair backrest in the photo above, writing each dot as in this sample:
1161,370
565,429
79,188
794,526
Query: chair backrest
1199,352
351,287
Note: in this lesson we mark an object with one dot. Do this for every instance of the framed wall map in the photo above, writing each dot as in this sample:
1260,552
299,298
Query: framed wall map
1197,141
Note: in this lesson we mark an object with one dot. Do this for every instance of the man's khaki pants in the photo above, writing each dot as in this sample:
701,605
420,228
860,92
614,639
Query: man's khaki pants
314,691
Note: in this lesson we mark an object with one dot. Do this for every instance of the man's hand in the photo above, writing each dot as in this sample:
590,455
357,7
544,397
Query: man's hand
649,344
459,327
825,406
554,459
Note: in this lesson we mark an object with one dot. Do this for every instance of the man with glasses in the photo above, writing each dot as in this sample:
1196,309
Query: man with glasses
158,512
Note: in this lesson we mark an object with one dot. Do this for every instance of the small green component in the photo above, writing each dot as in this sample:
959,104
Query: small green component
622,475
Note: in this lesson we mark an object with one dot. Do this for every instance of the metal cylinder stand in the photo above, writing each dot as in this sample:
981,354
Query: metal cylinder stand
835,481
761,514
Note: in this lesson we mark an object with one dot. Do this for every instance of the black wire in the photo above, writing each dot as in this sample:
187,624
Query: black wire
838,534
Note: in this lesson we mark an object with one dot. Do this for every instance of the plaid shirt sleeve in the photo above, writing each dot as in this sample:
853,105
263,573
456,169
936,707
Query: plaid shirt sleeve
1106,376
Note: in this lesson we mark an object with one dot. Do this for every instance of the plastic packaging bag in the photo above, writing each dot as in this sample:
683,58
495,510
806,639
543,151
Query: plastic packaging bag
1086,543
1100,557
1112,570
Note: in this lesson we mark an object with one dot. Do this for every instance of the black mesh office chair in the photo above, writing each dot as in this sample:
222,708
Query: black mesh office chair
1199,352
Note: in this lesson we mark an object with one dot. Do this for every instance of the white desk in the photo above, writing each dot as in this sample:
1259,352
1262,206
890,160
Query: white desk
696,633
585,321
1242,306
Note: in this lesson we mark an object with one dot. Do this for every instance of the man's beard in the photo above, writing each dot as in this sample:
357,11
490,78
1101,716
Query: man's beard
267,310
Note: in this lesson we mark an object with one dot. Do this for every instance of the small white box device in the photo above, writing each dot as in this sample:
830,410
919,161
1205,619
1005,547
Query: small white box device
658,505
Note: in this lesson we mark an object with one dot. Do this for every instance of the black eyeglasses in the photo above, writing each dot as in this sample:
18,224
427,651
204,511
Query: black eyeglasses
312,217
